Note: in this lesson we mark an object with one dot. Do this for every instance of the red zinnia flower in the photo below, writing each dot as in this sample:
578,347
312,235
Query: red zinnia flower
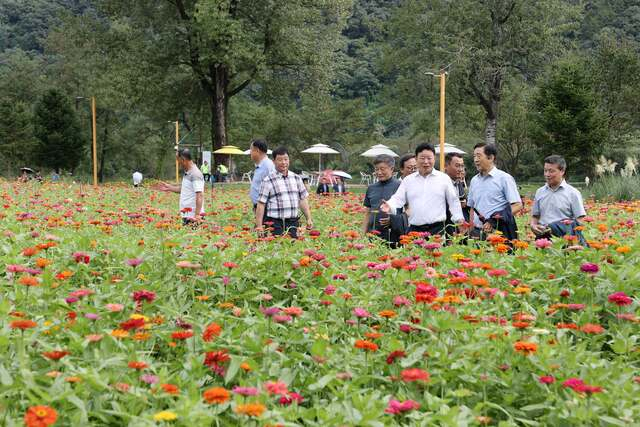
55,355
138,365
181,335
132,324
395,355
620,299
414,374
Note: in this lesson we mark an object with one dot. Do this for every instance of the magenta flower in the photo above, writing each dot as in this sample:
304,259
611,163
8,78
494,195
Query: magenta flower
396,407
329,290
620,299
149,379
270,311
590,268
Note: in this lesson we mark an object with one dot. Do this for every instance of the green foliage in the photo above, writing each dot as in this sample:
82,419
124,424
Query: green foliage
16,135
567,119
56,128
615,188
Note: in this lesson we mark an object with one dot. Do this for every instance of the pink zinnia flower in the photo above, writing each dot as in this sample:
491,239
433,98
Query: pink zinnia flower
396,407
114,308
245,391
134,262
543,243
81,257
276,387
361,313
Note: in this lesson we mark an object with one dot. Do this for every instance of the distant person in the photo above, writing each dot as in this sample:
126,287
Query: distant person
205,171
264,166
375,221
324,185
493,196
429,193
454,167
282,193
137,179
191,191
55,176
339,185
24,176
223,171
38,177
557,206
407,165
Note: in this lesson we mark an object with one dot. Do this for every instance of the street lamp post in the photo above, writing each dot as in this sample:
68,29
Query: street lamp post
443,78
177,143
94,148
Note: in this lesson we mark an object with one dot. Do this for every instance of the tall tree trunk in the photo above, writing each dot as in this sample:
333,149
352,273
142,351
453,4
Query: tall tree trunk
219,111
490,129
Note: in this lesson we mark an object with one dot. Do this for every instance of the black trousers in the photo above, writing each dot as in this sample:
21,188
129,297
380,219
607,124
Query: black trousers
435,228
280,226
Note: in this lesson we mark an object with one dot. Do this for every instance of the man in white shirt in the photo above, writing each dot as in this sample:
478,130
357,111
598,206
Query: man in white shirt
137,179
191,191
428,192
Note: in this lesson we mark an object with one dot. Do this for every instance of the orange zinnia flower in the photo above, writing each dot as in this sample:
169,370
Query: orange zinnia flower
181,335
366,345
170,388
137,365
212,331
591,328
387,314
217,395
250,409
29,281
40,416
525,347
22,324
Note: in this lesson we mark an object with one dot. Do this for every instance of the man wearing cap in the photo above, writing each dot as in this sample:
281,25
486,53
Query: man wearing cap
191,191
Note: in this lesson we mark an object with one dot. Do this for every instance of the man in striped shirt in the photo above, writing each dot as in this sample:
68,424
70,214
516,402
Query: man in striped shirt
281,194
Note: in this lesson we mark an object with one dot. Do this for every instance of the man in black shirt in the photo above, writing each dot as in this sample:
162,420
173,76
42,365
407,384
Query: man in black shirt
375,221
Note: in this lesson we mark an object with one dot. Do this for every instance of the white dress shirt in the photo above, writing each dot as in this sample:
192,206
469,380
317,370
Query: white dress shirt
428,198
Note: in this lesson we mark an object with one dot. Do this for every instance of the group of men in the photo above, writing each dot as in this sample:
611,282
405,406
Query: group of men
440,203
422,200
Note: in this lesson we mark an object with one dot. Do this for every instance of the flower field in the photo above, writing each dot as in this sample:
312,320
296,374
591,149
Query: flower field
112,313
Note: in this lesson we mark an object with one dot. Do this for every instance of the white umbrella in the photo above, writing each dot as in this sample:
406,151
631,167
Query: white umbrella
449,148
342,174
377,150
320,149
247,152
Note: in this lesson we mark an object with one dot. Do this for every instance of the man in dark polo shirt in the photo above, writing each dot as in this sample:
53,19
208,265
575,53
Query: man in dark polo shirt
375,221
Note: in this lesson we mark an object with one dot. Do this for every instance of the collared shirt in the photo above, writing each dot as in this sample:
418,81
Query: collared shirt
491,193
192,183
565,202
264,168
282,194
137,178
376,193
204,168
428,198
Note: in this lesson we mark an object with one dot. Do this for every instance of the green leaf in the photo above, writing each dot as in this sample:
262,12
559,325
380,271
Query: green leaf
614,421
322,382
534,407
233,369
5,378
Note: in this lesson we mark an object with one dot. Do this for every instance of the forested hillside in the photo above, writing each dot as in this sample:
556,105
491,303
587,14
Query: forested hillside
535,77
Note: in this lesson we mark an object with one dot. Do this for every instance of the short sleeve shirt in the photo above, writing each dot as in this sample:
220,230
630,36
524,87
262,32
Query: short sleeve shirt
192,183
565,202
492,193
282,194
263,169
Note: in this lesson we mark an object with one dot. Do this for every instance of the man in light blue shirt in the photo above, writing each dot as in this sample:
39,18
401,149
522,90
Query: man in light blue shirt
493,195
557,206
264,166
